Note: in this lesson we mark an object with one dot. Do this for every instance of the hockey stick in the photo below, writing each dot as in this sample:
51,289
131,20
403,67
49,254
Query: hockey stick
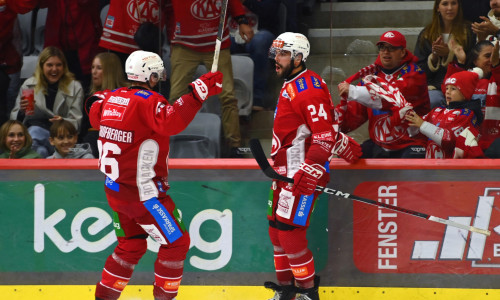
218,41
261,159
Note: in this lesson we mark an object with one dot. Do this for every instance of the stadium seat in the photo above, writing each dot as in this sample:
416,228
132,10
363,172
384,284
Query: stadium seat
40,30
201,139
104,13
243,83
25,24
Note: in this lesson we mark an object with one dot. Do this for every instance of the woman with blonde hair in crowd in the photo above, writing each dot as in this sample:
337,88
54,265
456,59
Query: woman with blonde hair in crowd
432,47
57,95
15,141
107,75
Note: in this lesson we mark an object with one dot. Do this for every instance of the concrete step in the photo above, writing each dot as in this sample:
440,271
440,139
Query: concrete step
370,14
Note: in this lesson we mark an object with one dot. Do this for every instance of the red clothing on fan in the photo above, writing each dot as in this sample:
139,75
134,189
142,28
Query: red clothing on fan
194,24
411,81
450,123
10,57
74,25
134,128
124,18
488,92
302,129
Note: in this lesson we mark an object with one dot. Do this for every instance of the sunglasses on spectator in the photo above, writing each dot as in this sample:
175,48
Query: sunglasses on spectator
390,48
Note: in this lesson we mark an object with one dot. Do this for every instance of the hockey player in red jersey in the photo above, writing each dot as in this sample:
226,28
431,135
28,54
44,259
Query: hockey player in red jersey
444,124
304,138
134,126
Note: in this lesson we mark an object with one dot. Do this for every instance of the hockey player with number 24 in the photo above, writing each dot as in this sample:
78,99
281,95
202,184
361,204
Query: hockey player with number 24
134,126
305,137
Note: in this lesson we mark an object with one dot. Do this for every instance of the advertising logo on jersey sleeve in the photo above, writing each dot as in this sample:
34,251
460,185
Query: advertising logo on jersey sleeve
301,84
316,82
113,112
386,241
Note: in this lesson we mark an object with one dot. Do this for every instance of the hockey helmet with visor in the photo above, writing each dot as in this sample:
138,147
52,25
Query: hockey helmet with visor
143,65
295,43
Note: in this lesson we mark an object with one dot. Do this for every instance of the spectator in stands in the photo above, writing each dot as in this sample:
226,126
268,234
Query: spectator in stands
443,123
261,15
395,67
15,141
11,57
57,95
63,136
124,19
75,28
485,56
432,47
193,34
489,28
104,79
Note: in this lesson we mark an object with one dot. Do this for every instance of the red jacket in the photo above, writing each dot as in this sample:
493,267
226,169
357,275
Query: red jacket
10,57
412,83
448,124
488,92
74,25
194,24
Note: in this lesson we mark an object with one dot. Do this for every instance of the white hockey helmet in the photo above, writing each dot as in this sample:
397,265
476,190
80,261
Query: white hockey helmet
290,41
142,65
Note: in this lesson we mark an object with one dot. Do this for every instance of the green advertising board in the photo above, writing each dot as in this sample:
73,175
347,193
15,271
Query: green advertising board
66,226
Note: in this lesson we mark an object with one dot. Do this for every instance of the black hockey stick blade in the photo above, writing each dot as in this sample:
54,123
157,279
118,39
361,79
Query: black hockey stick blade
260,157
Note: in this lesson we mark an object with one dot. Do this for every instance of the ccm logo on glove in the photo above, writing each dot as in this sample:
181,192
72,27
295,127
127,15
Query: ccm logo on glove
207,85
313,171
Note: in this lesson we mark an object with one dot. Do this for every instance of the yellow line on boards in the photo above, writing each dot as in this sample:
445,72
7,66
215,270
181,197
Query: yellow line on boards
191,292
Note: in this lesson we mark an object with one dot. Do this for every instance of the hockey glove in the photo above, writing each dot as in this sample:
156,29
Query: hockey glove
347,148
466,146
207,85
307,177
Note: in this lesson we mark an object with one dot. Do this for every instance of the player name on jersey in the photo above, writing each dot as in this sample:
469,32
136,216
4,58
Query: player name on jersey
116,135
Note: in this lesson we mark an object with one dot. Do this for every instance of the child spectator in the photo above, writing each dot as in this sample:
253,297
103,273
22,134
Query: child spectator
63,137
444,124
15,141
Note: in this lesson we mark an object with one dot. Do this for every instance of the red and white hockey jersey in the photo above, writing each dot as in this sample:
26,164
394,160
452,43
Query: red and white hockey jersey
194,24
124,18
134,128
442,126
488,92
303,123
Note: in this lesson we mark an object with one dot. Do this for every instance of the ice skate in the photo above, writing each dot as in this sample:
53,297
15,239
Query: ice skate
311,293
281,292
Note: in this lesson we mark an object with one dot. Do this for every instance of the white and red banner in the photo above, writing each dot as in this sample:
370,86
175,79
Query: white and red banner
389,242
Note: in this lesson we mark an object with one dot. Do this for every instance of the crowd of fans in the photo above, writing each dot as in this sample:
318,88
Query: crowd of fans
412,116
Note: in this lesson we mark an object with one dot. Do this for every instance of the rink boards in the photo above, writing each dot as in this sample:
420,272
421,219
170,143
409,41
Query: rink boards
57,230
81,292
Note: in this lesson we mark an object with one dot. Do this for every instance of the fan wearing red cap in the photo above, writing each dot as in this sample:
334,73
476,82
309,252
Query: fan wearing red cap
397,83
444,124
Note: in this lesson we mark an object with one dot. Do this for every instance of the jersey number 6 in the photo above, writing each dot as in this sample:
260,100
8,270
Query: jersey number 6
109,165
